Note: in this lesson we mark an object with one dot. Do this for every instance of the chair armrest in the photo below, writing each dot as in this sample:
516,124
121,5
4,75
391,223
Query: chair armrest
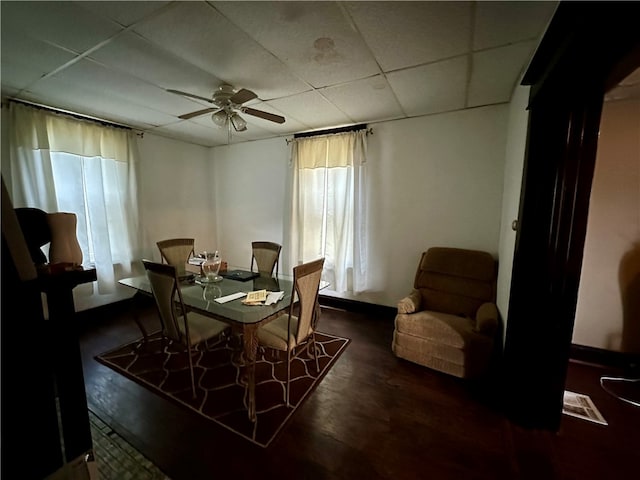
410,303
486,318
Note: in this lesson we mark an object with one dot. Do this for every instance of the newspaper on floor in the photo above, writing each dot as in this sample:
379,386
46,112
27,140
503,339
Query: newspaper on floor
581,406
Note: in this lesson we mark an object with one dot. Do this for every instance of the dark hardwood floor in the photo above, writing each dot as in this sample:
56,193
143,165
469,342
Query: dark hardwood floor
373,416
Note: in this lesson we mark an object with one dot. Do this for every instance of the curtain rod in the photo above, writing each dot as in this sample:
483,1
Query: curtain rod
72,114
332,131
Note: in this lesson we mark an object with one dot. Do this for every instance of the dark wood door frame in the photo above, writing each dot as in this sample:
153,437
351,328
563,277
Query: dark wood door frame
587,48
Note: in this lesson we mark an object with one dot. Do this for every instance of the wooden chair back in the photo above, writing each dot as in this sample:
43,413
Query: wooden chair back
176,252
265,256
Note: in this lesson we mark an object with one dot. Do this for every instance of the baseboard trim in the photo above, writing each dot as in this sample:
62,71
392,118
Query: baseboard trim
607,358
358,307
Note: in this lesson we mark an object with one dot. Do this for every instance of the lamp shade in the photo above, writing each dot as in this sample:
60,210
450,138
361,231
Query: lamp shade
219,118
238,123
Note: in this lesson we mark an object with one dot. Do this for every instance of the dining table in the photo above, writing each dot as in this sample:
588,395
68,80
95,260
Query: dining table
218,300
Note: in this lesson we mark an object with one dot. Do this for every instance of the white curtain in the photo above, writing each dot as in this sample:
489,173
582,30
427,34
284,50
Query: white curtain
63,164
329,207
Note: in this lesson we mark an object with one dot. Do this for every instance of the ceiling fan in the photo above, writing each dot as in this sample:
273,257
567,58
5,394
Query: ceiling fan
228,102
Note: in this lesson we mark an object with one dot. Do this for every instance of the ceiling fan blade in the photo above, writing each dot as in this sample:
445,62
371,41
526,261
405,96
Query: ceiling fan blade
185,94
266,115
242,95
187,116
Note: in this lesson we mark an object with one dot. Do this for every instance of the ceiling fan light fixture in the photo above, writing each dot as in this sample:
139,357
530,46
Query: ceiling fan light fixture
219,118
227,101
238,123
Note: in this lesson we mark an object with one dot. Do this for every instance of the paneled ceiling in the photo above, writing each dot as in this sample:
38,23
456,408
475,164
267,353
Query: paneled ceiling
627,89
318,64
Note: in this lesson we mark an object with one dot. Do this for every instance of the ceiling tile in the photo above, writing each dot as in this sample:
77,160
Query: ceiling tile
75,92
502,23
134,11
312,110
26,59
104,107
8,90
627,89
23,49
65,24
495,73
624,93
138,57
437,87
632,79
200,35
403,34
318,64
102,79
365,99
16,77
314,39
192,132
290,126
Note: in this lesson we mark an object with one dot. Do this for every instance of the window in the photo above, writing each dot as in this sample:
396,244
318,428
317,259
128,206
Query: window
63,164
329,207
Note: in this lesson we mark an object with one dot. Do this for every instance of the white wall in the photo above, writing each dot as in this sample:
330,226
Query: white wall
251,196
608,308
514,163
176,193
433,180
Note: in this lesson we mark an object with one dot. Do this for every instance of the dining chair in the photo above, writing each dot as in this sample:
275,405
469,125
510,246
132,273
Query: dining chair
186,328
265,256
176,252
296,334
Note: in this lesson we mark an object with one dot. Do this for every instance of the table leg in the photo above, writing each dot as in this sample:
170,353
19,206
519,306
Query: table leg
250,347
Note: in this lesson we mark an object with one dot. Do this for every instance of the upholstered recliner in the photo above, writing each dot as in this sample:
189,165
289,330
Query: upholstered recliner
449,321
